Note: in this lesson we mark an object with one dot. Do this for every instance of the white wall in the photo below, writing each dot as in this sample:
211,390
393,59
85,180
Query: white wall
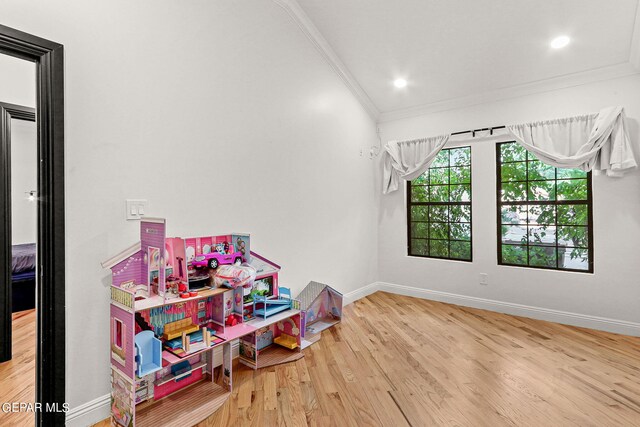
18,86
613,291
17,81
225,118
24,178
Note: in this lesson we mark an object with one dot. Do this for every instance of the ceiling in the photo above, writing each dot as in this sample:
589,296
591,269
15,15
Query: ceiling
456,49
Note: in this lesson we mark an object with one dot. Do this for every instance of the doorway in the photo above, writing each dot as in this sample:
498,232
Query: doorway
50,250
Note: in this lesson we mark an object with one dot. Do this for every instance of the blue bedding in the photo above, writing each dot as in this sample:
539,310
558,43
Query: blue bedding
23,258
25,275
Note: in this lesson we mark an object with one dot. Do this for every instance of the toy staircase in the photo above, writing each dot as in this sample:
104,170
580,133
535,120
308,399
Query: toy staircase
142,323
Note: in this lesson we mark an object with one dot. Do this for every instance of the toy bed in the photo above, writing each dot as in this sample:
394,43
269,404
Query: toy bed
23,276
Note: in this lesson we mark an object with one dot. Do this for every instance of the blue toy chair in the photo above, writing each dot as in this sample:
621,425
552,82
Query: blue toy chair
148,353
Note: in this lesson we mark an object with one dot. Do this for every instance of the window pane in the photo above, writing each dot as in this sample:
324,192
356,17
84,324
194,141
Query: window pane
460,250
439,176
438,213
439,193
514,192
573,214
439,248
460,213
419,213
420,229
541,171
460,156
542,214
542,256
460,231
513,172
512,152
439,230
460,175
442,159
460,193
538,228
574,189
514,214
419,193
573,258
573,236
419,247
542,235
514,234
514,254
542,190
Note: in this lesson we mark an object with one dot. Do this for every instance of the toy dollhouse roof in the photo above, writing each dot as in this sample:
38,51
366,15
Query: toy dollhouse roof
311,292
262,265
116,259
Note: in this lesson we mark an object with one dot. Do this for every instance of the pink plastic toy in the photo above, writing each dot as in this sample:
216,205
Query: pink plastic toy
224,254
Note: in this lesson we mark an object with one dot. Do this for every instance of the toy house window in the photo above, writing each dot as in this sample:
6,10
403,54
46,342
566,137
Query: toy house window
439,208
544,213
118,334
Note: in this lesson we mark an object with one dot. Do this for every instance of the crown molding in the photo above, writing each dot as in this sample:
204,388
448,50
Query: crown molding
546,85
634,53
308,28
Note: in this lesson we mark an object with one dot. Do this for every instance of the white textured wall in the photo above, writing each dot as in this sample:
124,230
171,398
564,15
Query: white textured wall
225,118
613,291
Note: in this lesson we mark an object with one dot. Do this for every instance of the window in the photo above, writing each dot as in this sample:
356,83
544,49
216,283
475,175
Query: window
118,334
544,213
439,207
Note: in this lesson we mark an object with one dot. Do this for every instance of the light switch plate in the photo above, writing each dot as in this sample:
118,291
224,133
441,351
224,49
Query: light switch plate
135,208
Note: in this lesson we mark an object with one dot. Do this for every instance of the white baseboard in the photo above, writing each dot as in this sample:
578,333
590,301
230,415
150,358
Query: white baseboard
359,293
564,317
89,413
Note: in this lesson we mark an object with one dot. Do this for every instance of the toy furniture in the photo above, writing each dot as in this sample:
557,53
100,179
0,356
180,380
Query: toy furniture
265,307
179,346
286,341
148,349
176,329
321,307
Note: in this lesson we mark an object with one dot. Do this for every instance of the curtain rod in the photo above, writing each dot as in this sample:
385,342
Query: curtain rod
473,131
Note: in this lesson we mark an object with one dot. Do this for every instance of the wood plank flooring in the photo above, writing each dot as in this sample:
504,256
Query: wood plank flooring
17,376
400,361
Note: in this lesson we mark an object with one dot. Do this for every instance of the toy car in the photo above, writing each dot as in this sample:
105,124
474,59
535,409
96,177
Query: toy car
215,258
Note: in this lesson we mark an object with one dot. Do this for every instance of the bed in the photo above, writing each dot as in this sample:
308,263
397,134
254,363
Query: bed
23,276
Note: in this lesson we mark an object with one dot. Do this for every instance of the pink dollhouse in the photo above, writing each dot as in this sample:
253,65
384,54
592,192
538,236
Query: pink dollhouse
172,328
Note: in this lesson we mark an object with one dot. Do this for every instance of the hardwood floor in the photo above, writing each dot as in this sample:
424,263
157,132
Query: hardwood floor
400,361
18,375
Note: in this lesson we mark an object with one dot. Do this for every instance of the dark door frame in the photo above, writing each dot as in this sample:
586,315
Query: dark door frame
50,294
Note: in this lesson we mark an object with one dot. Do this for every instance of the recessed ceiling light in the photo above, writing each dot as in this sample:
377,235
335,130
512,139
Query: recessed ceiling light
400,83
560,42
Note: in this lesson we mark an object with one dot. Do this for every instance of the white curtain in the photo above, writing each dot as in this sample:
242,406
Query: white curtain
596,142
409,159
